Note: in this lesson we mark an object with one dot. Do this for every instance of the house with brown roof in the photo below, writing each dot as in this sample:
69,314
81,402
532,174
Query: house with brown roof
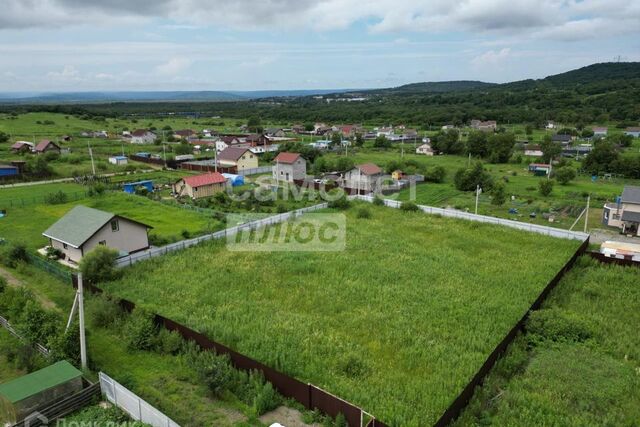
199,186
22,147
289,167
365,177
600,132
184,134
238,158
142,136
46,146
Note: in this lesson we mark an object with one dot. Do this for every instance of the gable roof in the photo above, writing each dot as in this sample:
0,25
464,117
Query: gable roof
42,145
369,169
38,381
141,132
232,153
561,137
80,224
285,157
630,216
631,194
204,179
20,144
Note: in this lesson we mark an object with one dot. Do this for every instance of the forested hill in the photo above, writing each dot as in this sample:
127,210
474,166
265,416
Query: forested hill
597,93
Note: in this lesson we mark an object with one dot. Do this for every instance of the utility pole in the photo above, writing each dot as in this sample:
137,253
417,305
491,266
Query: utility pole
586,214
83,343
477,196
93,166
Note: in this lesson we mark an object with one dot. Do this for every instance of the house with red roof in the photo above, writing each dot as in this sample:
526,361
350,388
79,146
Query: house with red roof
199,186
288,167
46,146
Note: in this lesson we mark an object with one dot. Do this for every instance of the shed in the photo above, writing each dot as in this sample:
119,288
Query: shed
118,160
130,187
22,396
234,179
8,170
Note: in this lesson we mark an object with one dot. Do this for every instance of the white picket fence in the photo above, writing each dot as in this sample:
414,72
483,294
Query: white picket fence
183,244
133,405
452,213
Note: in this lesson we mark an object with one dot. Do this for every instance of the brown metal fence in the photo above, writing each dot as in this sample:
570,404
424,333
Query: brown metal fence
205,167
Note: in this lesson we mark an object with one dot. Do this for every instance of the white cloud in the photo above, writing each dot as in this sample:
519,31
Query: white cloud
561,19
491,57
69,72
173,66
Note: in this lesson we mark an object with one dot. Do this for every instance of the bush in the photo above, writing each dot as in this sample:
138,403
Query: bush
53,253
169,342
341,203
409,207
56,198
3,284
97,189
363,213
545,187
378,201
435,174
565,174
215,371
467,179
498,194
99,265
66,345
14,254
105,312
140,330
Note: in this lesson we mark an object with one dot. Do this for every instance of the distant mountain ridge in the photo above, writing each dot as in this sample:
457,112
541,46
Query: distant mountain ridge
154,96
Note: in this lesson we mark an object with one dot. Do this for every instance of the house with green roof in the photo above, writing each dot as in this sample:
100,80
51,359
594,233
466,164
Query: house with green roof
83,228
22,396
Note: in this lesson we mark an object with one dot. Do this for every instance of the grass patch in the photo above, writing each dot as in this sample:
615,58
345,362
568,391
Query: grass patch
397,324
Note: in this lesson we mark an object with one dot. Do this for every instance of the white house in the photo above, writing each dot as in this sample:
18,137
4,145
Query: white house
289,167
600,131
83,228
632,131
142,136
366,177
425,149
533,150
625,213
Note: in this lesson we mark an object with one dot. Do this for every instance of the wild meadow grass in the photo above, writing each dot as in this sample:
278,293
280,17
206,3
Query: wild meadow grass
397,323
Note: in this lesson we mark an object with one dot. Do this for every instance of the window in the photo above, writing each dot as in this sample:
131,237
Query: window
114,225
64,246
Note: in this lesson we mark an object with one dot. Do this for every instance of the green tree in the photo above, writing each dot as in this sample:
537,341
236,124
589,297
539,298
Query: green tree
602,158
382,142
565,174
99,265
499,194
359,142
254,124
140,330
336,140
183,148
528,130
477,144
4,137
550,149
500,147
39,167
467,179
545,187
448,142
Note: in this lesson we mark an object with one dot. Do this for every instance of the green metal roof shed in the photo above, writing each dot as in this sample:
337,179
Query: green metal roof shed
21,396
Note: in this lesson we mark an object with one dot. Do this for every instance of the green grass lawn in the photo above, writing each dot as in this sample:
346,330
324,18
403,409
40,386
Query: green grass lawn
25,224
398,323
35,194
577,364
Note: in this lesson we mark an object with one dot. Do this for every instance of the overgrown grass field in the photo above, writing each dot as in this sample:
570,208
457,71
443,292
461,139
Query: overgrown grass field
578,363
398,323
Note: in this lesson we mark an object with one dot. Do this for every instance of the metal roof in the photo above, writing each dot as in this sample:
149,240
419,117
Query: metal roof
631,194
39,381
630,216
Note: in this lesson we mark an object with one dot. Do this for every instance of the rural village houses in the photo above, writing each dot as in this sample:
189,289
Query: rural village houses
237,157
365,177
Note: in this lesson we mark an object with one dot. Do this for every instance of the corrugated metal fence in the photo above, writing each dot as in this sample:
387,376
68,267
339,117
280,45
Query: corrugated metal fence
133,405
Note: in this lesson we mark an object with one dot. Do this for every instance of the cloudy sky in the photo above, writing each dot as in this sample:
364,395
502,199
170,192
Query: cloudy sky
77,45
